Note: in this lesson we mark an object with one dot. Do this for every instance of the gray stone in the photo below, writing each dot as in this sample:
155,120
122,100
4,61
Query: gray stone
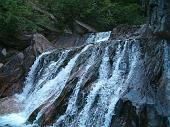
4,52
1,64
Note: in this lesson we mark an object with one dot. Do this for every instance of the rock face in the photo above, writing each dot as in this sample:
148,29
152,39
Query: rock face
14,70
41,44
136,108
120,82
11,75
14,65
68,40
159,17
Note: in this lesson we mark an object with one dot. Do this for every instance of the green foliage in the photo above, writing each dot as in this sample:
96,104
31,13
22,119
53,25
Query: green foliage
17,16
120,14
13,19
102,14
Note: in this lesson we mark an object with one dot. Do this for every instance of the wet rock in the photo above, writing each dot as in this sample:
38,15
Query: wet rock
2,56
10,105
143,103
53,110
126,31
128,115
139,88
159,17
38,45
15,68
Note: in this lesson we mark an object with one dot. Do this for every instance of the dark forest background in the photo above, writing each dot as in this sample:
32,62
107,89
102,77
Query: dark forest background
29,16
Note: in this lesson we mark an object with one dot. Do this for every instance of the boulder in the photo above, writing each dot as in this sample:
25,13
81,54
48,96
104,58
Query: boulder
40,44
4,52
15,68
82,28
1,64
67,40
11,75
10,105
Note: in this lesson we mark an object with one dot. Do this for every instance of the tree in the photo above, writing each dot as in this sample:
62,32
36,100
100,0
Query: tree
18,16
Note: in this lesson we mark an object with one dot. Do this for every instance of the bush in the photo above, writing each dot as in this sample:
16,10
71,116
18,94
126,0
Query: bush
17,16
102,14
13,15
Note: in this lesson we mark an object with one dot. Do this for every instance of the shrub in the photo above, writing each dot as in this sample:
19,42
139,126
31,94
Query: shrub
102,14
17,16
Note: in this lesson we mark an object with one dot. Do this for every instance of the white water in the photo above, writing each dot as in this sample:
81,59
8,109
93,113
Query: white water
98,37
30,77
109,90
15,119
44,84
39,95
71,108
167,73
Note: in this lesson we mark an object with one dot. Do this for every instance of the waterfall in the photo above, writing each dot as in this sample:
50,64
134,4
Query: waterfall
167,73
98,37
30,78
91,78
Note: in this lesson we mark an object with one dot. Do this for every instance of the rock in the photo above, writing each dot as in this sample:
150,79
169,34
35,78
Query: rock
145,102
10,105
11,76
130,116
126,31
159,13
4,52
14,70
67,40
163,34
40,44
1,64
58,107
82,28
1,54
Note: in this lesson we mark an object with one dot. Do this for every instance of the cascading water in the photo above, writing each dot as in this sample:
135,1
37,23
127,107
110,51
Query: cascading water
80,85
98,37
51,80
167,71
